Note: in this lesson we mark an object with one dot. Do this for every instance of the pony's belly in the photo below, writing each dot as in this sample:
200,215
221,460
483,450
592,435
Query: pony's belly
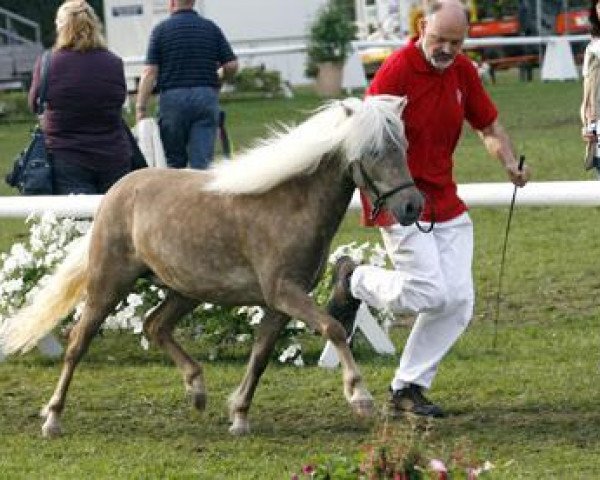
237,286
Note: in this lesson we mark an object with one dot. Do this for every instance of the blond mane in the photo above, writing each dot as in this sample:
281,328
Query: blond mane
352,125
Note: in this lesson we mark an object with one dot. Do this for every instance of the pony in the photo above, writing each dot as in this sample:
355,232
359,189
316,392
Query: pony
255,230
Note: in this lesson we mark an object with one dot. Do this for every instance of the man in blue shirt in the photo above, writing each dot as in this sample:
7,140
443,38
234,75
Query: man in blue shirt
187,58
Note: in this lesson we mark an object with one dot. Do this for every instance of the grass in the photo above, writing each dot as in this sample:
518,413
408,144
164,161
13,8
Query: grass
530,405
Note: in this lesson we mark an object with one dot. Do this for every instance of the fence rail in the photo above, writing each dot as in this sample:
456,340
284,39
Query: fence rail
571,193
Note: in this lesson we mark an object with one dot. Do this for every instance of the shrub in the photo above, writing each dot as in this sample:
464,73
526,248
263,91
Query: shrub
330,35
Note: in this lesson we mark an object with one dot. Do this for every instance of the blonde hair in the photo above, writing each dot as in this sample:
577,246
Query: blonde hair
78,27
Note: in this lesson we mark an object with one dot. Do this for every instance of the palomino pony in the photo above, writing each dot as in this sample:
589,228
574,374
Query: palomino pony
252,231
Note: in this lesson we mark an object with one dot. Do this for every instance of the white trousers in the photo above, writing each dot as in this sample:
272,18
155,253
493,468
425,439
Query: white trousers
431,277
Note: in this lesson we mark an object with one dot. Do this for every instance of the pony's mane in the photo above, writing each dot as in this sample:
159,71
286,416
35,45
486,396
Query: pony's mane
352,126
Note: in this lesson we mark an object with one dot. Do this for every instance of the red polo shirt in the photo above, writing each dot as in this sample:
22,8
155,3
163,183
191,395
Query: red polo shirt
438,103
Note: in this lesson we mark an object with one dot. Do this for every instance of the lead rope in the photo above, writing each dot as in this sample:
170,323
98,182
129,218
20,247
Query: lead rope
503,257
429,201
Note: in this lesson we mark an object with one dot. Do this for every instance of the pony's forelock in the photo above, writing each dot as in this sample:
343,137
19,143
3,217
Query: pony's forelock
352,125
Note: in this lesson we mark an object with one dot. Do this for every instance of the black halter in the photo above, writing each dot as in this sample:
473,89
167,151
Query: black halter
380,198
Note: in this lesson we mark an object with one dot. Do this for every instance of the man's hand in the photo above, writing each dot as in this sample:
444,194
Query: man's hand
147,82
516,176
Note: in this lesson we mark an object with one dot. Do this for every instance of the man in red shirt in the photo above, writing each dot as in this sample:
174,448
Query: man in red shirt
432,271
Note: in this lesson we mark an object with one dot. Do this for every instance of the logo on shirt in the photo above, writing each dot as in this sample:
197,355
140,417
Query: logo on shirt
459,96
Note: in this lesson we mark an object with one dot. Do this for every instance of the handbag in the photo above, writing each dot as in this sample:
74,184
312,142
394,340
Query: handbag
32,169
137,157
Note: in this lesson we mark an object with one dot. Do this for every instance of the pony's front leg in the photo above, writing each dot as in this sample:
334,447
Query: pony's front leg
239,402
292,300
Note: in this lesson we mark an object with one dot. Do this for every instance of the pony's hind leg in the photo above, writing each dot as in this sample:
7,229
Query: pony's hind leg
292,300
239,402
159,328
80,337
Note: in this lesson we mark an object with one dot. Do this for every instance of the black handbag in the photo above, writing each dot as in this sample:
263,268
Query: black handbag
137,157
32,169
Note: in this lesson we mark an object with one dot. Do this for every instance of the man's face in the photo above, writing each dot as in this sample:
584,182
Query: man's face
442,39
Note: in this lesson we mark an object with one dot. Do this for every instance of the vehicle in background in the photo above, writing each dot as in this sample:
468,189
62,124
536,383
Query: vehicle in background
521,18
397,19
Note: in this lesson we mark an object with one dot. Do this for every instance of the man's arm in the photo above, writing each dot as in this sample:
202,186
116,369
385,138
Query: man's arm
147,82
498,144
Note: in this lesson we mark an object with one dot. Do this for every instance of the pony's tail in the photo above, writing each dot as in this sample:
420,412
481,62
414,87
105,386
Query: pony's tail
61,293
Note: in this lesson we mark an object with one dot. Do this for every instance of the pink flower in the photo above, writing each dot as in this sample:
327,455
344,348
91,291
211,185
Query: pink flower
308,469
472,473
295,477
439,467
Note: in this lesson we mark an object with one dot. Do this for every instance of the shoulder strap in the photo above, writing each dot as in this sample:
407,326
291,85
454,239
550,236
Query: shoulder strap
45,65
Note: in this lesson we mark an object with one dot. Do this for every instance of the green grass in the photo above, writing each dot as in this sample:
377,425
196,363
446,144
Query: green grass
531,403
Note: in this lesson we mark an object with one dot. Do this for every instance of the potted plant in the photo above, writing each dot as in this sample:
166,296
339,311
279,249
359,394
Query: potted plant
331,32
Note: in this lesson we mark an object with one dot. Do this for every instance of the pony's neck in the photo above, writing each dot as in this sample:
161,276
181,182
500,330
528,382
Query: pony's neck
330,189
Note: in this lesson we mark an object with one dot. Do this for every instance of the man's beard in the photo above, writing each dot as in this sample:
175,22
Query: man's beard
440,61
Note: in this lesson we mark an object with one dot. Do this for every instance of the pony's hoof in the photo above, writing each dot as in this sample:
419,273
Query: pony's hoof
197,393
363,406
198,400
51,428
239,427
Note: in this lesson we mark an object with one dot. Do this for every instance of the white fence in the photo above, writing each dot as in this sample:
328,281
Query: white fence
558,63
575,193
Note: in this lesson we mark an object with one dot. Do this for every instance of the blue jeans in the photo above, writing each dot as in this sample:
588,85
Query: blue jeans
188,120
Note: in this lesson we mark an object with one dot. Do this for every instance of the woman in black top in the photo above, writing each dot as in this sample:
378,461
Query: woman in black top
86,92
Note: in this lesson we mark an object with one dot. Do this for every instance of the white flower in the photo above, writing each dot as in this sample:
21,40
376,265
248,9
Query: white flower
134,300
11,286
243,337
256,315
137,325
291,353
296,324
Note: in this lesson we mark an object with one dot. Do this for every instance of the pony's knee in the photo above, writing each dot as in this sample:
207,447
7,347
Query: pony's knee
334,331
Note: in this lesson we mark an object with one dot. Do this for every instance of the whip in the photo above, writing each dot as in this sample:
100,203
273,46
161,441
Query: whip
503,257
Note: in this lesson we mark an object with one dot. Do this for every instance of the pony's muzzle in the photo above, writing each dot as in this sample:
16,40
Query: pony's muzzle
407,206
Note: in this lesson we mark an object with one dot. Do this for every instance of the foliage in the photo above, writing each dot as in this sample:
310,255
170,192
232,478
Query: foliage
14,107
258,79
330,35
399,451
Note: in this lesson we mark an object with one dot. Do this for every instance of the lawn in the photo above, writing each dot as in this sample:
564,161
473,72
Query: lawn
529,405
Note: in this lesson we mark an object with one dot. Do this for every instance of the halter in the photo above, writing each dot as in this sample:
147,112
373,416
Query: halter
380,198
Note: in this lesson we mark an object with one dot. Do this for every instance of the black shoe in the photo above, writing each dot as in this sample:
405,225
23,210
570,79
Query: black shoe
342,305
410,399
